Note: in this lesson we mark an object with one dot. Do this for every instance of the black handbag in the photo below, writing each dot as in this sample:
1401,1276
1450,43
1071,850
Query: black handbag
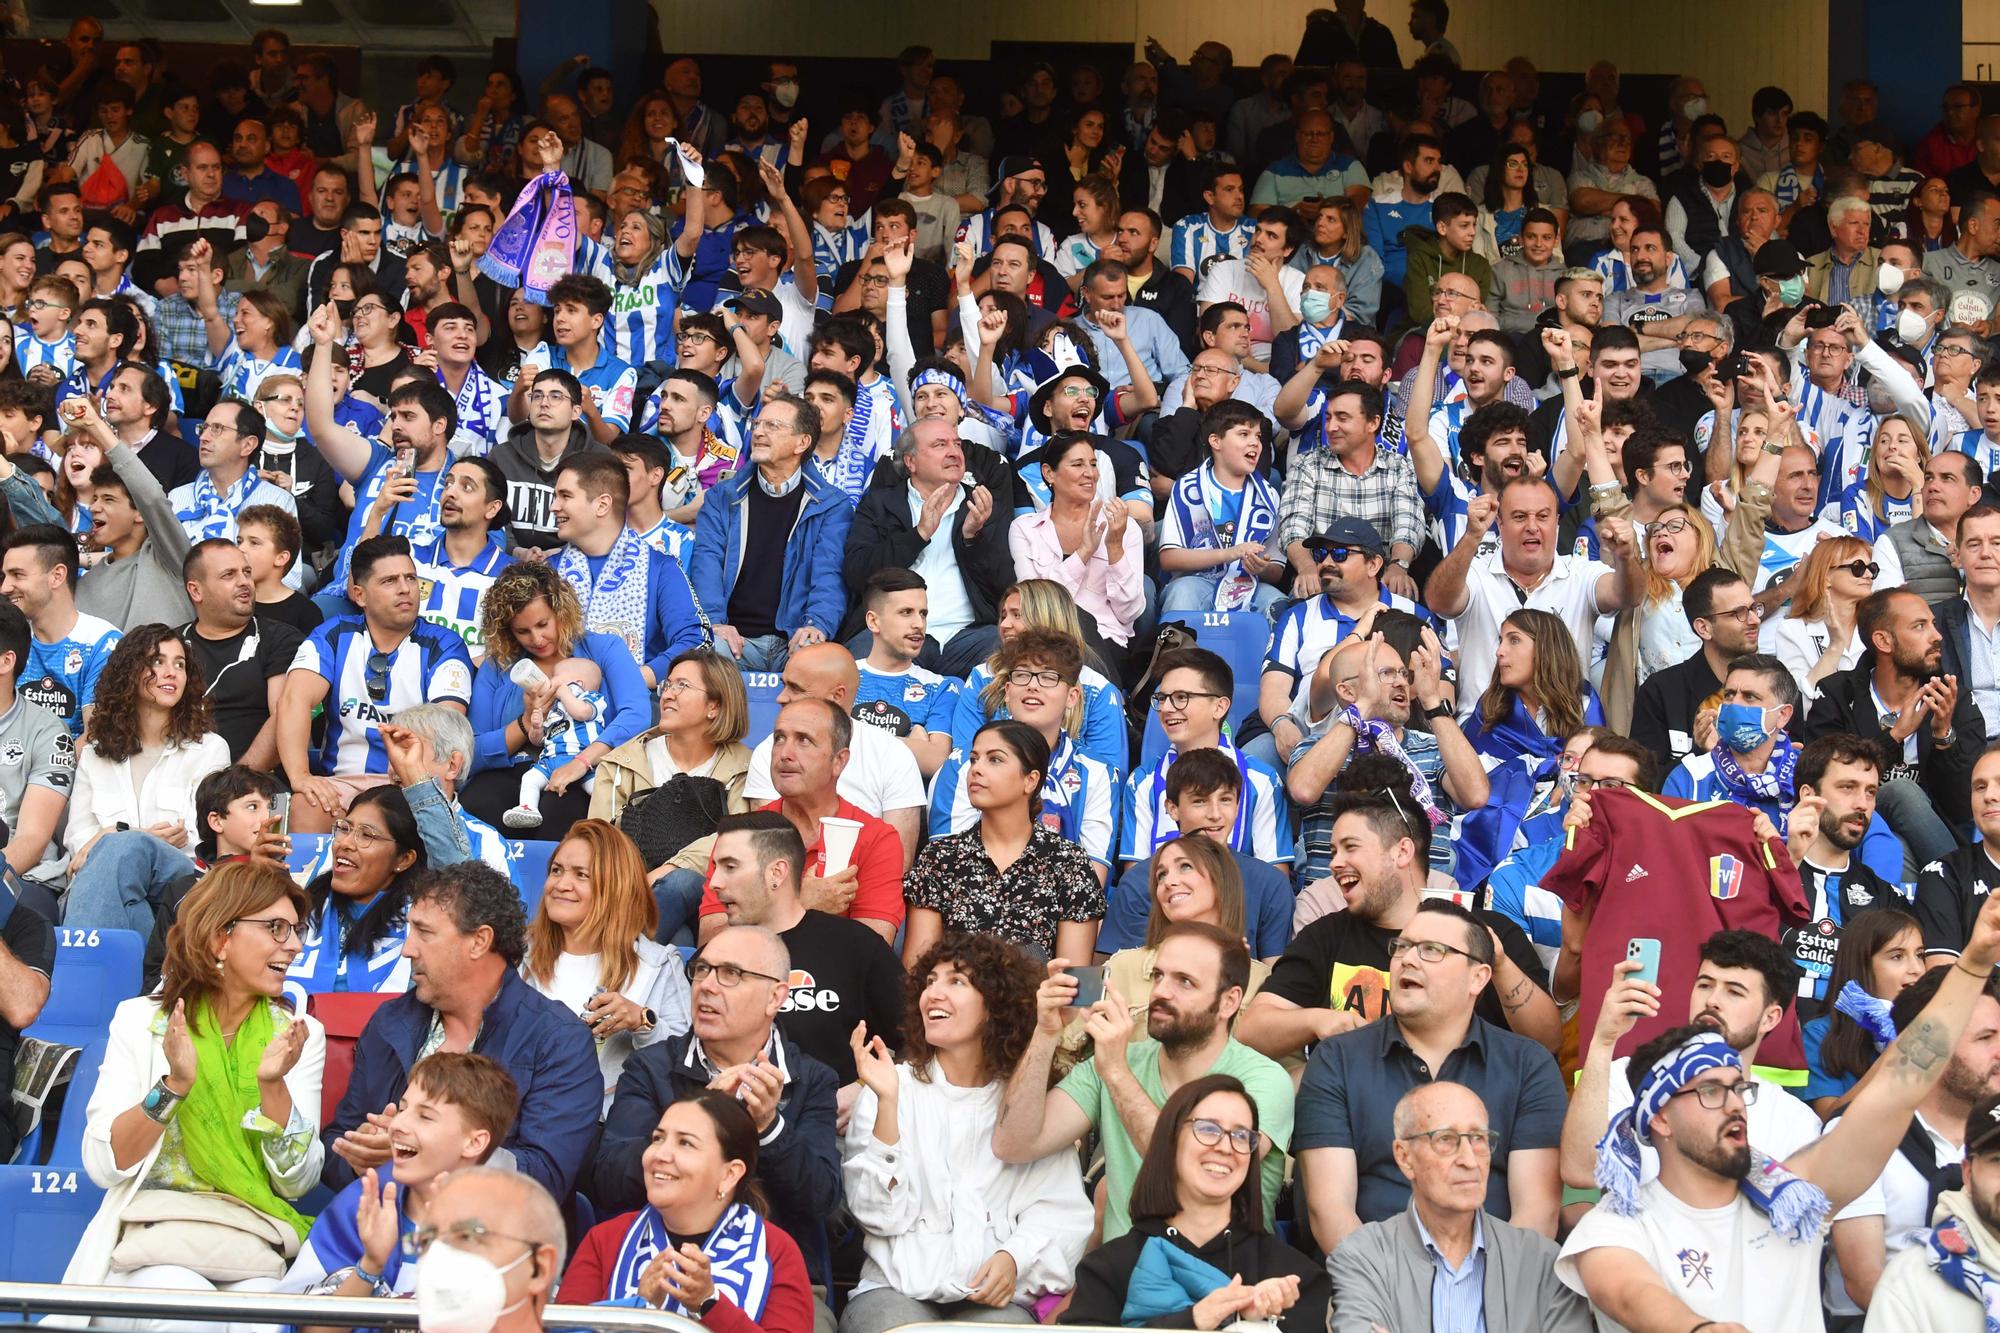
679,811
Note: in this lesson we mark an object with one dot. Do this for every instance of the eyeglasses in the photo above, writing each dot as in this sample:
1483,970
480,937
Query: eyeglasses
727,975
1179,699
371,309
281,929
682,687
1746,616
1715,1096
1584,782
209,428
1209,1134
1078,391
1861,569
696,336
375,675
1444,1142
875,280
367,837
1431,951
550,397
1696,335
1025,677
469,1234
39,304
1677,469
1210,370
287,399
1673,527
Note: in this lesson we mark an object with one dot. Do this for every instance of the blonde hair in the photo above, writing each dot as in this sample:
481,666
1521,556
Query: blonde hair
723,682
519,587
1213,860
1658,586
1877,497
1815,577
621,909
1045,605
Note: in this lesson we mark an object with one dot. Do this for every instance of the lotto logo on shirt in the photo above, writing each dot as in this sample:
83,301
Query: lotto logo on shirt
1725,877
806,995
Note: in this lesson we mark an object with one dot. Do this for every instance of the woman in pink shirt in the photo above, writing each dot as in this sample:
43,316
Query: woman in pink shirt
1092,547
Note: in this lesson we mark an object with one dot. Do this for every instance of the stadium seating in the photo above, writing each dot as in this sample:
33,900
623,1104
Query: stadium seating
762,689
96,970
1241,638
344,1016
67,1151
43,1213
528,867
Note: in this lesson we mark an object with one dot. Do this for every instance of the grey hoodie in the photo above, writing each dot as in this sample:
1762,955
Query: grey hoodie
531,484
146,588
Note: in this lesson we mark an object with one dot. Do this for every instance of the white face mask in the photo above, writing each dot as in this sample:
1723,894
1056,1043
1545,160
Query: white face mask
786,92
461,1292
1588,121
1694,107
1888,280
1911,327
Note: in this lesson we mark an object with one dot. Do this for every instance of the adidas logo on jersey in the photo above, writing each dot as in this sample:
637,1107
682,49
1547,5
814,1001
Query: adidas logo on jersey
1636,872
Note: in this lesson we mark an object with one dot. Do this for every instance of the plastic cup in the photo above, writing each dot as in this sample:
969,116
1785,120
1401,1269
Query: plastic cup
837,837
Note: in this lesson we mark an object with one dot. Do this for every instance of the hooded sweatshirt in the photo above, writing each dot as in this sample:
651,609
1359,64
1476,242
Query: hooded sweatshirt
1913,1297
147,586
531,483
1427,264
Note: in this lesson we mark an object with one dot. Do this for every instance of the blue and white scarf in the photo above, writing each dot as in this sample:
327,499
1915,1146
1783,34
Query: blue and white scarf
619,602
739,1260
1954,1258
1870,1011
1234,588
853,464
1773,787
1164,830
999,421
1796,1207
214,514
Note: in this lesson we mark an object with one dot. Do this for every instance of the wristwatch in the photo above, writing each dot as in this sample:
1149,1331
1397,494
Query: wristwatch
1441,710
652,1020
713,1300
1569,374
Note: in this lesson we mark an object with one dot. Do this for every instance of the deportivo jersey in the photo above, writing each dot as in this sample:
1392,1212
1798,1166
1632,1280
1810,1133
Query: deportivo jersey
36,750
30,351
669,538
241,372
1617,274
451,595
899,701
415,518
1077,799
1198,243
1104,733
833,248
1975,444
977,231
640,327
1312,628
1263,815
611,381
1845,432
62,676
1651,868
365,687
1448,506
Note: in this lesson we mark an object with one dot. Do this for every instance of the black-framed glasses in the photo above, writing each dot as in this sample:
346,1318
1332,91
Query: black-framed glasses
1026,676
727,975
375,675
1584,782
1209,1134
1431,951
1715,1096
1746,616
1861,568
281,930
1673,527
1179,699
1444,1142
1678,468
467,1234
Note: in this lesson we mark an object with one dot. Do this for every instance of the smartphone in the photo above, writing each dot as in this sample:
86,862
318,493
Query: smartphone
1648,954
1089,986
281,814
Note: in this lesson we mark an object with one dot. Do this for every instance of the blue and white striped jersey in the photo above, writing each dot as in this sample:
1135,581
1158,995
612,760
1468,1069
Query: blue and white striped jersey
640,327
669,538
565,737
241,372
610,381
1310,629
1077,799
1198,242
482,414
450,595
1263,815
366,686
977,231
415,518
30,351
833,248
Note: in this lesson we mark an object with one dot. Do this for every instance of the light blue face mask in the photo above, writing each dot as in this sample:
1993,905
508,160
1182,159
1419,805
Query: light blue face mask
1315,306
1741,727
1792,290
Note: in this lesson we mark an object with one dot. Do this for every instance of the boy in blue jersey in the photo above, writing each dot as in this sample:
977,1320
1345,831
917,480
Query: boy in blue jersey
895,693
422,420
1192,699
456,1109
456,569
627,587
647,465
68,649
578,307
365,668
49,348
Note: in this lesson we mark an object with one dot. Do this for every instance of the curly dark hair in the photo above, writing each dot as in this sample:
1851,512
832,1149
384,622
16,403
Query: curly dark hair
114,722
1006,980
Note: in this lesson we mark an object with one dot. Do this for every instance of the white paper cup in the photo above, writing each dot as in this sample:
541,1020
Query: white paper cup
836,838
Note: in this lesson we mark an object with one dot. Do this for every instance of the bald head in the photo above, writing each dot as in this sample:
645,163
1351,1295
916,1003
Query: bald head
1474,321
508,1205
823,671
751,946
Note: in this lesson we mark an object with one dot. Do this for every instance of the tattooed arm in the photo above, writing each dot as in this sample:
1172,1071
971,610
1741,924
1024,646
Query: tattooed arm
1530,1012
1852,1154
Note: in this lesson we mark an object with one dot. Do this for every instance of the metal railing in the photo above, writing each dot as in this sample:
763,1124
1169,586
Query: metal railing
29,1299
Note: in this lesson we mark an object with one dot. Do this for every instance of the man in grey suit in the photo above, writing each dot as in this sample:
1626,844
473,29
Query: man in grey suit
1444,1253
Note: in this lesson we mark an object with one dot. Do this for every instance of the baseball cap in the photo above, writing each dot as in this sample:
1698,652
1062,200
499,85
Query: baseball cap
1356,532
1017,164
1777,258
1982,1125
755,301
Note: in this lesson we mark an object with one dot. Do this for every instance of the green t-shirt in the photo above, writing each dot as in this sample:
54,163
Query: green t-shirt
1270,1087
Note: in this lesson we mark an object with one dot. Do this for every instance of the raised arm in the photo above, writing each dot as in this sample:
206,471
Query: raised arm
1425,455
1293,405
339,445
797,234
1035,1119
1445,594
1628,1000
220,335
694,203
427,195
364,157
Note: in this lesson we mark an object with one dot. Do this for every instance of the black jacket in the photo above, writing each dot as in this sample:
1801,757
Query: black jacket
884,536
1105,1274
1180,196
315,490
1664,708
1952,621
1704,229
799,1167
1846,704
1171,297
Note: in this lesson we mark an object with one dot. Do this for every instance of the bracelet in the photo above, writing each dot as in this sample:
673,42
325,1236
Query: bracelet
372,1279
1706,1323
1976,976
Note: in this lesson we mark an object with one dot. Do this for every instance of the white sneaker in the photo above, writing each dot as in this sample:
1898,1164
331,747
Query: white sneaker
522,816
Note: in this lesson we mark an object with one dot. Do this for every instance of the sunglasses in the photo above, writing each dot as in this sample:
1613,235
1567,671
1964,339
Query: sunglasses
1861,568
1336,554
375,675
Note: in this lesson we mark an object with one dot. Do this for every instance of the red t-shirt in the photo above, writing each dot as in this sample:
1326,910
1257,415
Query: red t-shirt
878,856
1648,867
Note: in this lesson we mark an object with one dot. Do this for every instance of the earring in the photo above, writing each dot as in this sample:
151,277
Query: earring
219,965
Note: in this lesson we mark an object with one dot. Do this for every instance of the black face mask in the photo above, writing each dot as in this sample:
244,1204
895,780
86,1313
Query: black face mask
255,228
1717,174
1694,362
345,309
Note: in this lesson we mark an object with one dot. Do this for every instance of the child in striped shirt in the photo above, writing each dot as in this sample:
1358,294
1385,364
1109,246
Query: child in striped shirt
574,721
51,303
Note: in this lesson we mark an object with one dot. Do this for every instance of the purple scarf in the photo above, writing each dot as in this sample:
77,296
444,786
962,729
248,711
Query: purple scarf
536,245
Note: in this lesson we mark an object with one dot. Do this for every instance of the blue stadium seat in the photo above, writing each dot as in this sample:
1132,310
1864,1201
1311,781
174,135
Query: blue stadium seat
762,689
306,849
96,970
43,1212
67,1151
1242,638
528,865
